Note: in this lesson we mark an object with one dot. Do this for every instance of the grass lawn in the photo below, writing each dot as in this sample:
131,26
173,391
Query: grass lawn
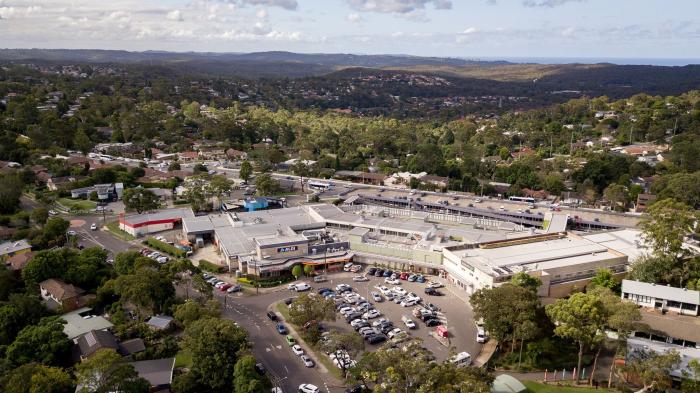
113,227
284,310
535,387
183,359
77,204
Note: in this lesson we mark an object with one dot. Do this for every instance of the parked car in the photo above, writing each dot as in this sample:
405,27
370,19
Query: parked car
357,389
301,287
409,323
360,278
399,291
290,340
371,271
433,292
235,288
420,279
432,322
371,314
307,361
376,339
387,273
296,349
379,273
481,336
308,388
403,276
435,284
272,315
392,281
377,297
93,226
225,287
412,277
409,302
281,329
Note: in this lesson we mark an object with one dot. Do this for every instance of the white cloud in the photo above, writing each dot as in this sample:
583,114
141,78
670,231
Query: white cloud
548,3
396,6
175,15
286,4
262,13
470,30
353,18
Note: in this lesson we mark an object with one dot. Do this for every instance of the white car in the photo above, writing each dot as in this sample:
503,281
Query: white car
360,279
481,336
276,390
394,332
435,284
379,322
292,287
93,227
162,259
384,290
341,287
308,388
71,233
358,321
371,314
409,302
399,291
377,297
302,287
409,323
307,361
392,281
297,350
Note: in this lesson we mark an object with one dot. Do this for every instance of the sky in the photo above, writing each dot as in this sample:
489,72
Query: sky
647,29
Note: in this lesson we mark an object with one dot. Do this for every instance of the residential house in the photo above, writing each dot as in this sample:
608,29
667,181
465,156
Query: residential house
9,249
643,202
19,261
61,183
57,293
160,322
105,192
362,177
81,321
188,156
212,154
94,340
91,342
522,153
437,181
234,154
158,372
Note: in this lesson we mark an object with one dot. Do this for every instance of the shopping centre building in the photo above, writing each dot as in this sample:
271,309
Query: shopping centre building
471,252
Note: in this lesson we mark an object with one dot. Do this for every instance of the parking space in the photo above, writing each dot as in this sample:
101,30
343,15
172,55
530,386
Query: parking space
451,312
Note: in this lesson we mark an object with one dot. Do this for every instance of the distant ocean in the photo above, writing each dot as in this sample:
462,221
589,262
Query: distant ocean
594,60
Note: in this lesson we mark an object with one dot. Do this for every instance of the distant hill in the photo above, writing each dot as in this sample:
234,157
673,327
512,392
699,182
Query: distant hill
486,77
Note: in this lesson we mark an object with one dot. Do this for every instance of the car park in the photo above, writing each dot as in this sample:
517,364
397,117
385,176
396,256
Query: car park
272,315
307,361
296,349
281,329
308,388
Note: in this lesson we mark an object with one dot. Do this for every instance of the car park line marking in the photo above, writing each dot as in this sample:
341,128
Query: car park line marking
286,369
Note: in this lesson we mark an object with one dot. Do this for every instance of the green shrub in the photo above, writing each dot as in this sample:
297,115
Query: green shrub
181,202
267,283
165,247
210,267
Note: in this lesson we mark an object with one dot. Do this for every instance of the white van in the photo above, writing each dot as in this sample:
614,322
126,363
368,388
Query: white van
462,359
320,278
301,287
481,336
347,267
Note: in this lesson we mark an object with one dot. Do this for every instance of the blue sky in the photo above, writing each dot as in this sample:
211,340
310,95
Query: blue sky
456,28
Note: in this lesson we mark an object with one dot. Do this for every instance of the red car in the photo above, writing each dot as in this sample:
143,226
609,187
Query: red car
403,276
224,287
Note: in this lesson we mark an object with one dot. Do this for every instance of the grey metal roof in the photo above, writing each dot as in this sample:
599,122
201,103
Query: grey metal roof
168,214
158,372
160,321
81,321
682,295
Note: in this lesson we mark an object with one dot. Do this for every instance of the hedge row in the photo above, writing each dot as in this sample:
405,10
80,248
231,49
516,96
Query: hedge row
210,267
165,247
266,283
